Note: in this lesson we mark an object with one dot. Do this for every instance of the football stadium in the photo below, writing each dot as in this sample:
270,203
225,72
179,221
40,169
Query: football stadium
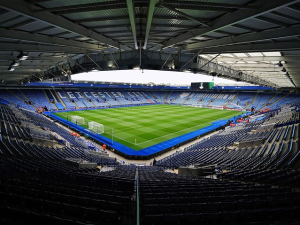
149,112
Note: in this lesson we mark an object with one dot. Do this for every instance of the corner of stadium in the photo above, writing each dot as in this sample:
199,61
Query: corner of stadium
149,112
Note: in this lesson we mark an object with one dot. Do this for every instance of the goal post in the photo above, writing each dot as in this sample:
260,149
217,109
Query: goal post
77,120
96,127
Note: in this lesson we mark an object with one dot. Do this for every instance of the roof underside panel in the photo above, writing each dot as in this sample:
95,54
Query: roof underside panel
234,30
258,24
248,38
60,3
289,12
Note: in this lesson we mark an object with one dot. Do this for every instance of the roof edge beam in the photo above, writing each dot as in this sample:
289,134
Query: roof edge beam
294,58
247,38
39,48
256,47
38,38
208,4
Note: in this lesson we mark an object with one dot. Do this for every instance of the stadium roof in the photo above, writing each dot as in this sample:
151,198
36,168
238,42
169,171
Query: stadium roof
238,39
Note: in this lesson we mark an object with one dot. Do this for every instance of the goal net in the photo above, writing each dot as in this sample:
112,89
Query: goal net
96,127
77,120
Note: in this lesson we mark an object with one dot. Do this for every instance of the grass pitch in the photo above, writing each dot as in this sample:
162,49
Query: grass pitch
139,127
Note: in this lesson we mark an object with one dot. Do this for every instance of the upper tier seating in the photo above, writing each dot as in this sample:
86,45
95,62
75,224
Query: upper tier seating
38,98
90,98
11,98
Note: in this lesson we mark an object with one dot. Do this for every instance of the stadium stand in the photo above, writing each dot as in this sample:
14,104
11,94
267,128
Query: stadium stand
180,98
64,99
10,97
193,98
82,145
216,147
177,199
222,99
241,100
37,185
38,98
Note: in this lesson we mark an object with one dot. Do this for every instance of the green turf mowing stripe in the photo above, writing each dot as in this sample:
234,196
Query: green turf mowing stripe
139,127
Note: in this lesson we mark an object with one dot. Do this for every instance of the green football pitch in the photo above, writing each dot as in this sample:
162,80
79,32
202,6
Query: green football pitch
139,127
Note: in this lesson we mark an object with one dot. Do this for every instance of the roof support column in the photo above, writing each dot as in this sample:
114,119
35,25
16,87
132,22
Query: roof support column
130,8
151,8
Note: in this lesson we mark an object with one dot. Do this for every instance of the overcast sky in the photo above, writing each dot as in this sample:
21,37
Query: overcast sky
146,76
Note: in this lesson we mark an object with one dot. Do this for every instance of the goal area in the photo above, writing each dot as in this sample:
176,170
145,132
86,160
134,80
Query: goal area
96,127
77,120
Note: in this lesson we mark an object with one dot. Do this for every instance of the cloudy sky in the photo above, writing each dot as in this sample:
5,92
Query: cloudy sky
147,76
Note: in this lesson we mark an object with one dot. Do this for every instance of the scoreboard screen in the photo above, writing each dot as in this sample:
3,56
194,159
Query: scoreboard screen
202,85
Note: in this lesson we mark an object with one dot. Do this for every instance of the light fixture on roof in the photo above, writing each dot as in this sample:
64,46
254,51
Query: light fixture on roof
279,64
94,70
22,56
15,63
10,68
283,69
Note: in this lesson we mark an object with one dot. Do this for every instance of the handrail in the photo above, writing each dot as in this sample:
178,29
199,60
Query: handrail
137,198
292,159
286,133
279,134
293,132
